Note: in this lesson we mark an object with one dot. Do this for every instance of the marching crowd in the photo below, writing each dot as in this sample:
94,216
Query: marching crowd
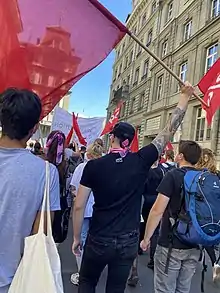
122,203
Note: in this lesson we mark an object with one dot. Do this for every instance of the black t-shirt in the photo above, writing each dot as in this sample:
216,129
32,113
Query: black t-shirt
118,185
171,186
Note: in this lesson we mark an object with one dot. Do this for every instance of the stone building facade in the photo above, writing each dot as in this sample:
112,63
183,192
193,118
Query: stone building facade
185,35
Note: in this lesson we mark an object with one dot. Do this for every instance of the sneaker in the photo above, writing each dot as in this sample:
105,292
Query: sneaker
216,273
133,281
75,279
150,265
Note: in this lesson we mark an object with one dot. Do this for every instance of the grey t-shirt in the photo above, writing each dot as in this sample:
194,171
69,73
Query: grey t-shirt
22,181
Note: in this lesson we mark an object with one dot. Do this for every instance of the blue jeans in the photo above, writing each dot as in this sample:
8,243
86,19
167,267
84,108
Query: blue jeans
85,230
118,253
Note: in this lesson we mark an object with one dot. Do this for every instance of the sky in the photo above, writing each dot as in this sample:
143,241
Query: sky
91,94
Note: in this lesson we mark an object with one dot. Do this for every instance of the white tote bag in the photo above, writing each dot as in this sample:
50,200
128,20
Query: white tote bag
39,270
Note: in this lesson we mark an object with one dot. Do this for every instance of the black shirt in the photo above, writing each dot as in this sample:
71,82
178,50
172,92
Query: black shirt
171,186
118,185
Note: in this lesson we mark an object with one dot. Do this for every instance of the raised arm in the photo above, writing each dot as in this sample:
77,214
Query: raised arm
175,120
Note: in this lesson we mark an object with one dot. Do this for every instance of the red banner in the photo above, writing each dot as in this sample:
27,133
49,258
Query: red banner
112,121
48,45
210,87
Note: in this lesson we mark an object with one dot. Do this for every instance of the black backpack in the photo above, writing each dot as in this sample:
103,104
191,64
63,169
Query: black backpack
166,167
73,162
61,218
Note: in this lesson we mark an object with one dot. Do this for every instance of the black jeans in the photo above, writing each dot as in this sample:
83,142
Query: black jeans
116,252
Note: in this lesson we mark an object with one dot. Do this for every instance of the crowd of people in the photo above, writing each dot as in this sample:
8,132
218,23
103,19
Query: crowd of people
122,203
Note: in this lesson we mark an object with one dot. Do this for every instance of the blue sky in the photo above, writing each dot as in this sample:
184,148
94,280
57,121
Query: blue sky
91,94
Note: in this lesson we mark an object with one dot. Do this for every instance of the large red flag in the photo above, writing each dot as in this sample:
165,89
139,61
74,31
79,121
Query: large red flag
135,144
76,128
113,120
210,87
50,44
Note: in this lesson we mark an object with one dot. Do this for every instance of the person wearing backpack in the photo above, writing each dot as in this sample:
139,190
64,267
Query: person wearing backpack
208,161
55,154
175,259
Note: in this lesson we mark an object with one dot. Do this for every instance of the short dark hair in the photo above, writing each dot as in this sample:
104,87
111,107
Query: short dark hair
190,150
83,149
20,111
170,155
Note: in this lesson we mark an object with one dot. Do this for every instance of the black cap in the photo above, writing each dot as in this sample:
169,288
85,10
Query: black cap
123,131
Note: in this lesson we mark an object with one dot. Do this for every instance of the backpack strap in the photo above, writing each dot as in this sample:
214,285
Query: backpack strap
174,222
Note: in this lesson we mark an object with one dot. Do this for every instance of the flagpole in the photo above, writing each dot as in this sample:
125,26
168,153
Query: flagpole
164,65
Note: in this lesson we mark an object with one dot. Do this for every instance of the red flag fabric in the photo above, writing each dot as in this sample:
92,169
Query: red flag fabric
76,128
135,144
169,146
210,87
50,53
69,136
113,120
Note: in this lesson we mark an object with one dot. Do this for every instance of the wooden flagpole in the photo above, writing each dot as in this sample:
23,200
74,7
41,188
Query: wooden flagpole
164,65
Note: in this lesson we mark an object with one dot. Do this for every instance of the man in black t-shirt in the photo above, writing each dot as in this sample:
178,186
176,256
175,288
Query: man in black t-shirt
117,181
174,268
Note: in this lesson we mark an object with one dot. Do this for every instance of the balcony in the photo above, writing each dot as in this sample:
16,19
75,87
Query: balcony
121,94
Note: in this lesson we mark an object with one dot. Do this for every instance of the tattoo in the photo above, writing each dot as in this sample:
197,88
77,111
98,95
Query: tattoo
167,133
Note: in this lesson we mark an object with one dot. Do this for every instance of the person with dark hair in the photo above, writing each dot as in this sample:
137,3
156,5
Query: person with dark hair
37,149
82,152
117,181
55,154
175,261
22,179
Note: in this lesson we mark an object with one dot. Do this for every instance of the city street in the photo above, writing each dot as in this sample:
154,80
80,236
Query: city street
146,276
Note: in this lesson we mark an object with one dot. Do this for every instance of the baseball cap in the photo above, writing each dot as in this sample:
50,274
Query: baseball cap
123,131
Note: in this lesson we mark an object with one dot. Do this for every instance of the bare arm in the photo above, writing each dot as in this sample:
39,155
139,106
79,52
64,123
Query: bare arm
37,222
79,209
175,120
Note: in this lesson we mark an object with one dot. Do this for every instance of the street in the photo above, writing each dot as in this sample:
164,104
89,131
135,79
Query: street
146,276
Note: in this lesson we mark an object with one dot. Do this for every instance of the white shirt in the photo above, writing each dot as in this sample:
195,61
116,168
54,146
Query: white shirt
75,181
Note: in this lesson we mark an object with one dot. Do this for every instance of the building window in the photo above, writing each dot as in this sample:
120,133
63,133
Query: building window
145,69
136,76
159,88
211,56
149,37
183,71
154,6
37,78
122,111
141,101
51,81
132,106
215,8
164,48
119,71
139,48
187,30
203,132
126,62
131,57
144,18
128,80
170,11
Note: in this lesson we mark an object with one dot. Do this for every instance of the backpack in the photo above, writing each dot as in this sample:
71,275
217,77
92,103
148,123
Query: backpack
165,167
73,162
61,218
198,222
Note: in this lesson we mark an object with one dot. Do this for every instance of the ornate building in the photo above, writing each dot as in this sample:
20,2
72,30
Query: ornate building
185,35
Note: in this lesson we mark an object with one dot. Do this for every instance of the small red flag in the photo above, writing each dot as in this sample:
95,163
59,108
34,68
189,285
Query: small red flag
210,87
69,136
135,144
113,120
169,146
76,128
50,53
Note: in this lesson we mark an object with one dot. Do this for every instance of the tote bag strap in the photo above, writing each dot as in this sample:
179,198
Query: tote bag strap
46,204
